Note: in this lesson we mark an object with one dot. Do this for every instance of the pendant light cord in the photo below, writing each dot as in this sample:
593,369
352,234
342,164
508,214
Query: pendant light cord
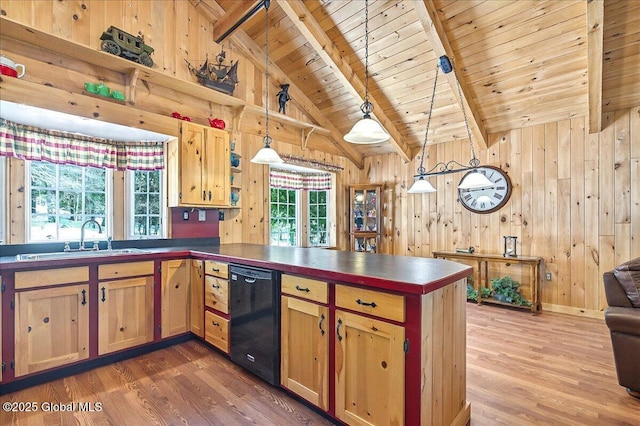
421,169
366,107
366,51
474,162
267,138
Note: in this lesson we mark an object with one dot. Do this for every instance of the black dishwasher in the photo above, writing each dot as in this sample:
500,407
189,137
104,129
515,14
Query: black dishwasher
255,320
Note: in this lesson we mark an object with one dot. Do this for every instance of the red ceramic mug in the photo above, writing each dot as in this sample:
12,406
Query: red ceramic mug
10,68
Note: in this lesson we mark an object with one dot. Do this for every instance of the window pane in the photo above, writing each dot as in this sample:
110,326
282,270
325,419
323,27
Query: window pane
62,197
43,174
140,182
318,219
146,196
154,204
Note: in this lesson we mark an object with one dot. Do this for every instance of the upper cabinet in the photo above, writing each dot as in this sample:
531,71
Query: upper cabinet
365,218
198,167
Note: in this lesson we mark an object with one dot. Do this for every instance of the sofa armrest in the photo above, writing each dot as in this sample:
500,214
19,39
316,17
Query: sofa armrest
614,292
623,320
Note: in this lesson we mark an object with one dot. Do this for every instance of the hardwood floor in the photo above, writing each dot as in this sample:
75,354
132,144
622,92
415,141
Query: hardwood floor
549,369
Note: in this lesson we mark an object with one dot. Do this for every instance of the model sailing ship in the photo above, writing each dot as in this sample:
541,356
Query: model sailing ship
218,76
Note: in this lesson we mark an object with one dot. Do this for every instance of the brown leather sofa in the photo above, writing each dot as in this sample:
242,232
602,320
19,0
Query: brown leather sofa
622,288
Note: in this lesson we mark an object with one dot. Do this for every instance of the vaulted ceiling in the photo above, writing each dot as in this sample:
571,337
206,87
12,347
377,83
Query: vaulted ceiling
519,63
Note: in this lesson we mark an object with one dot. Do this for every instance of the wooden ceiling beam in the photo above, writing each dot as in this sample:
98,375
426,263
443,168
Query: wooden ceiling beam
324,47
232,19
248,48
428,16
595,41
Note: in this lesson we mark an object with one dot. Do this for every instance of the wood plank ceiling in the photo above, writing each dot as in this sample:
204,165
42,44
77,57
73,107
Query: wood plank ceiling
519,63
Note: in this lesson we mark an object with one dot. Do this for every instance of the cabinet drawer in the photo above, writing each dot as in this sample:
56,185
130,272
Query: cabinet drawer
383,305
216,331
306,288
216,293
217,269
122,270
45,277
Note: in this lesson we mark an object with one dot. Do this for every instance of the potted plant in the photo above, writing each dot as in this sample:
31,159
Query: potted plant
507,290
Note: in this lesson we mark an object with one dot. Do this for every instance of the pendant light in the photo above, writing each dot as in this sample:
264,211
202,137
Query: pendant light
267,155
473,180
367,130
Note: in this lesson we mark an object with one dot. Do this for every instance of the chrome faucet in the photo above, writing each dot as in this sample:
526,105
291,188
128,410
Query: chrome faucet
82,231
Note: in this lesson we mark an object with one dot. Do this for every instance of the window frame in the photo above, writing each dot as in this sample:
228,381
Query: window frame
3,196
109,217
130,206
303,225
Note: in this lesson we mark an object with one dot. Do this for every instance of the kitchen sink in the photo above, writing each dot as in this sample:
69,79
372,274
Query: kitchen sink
78,254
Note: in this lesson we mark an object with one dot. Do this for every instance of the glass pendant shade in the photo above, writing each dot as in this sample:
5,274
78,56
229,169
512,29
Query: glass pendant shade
421,186
475,180
267,155
367,131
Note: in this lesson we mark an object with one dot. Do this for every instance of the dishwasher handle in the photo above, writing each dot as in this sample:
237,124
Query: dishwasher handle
249,280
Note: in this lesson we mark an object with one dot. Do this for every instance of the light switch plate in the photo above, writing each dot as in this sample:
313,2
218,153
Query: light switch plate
202,215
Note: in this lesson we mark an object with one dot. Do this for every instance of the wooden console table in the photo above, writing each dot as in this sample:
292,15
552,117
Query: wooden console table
481,261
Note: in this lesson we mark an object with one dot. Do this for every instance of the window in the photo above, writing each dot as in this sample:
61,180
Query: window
145,218
63,197
284,217
3,196
291,208
318,218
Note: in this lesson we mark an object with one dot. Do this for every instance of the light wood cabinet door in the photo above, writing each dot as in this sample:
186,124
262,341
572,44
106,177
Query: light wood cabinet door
197,298
192,162
369,370
175,316
305,350
217,172
51,328
125,313
199,167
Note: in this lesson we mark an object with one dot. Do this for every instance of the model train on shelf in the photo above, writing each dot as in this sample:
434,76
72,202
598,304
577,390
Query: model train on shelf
125,45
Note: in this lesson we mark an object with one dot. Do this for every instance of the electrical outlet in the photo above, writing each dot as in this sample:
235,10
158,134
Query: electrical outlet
185,215
220,215
548,276
202,215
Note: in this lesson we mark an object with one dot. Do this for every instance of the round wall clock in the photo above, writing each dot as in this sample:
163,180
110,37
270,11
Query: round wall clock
487,200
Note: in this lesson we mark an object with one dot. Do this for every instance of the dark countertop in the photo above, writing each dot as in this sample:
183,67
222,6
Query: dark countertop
413,275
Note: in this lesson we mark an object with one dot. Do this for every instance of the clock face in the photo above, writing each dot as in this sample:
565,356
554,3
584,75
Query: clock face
487,200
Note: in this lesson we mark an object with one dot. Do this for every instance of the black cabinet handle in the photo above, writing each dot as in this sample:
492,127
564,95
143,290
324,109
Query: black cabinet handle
360,302
215,286
215,269
209,195
217,324
104,294
84,297
338,330
320,324
204,195
302,289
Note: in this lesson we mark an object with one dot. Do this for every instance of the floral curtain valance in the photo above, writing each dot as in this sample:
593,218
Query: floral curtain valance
286,179
33,143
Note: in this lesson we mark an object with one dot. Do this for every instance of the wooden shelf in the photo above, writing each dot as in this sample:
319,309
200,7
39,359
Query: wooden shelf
482,261
99,108
134,71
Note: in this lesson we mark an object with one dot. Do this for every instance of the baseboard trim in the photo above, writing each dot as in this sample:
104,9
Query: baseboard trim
59,373
561,309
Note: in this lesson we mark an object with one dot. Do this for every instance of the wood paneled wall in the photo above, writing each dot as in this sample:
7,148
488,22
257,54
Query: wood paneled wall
575,200
575,203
